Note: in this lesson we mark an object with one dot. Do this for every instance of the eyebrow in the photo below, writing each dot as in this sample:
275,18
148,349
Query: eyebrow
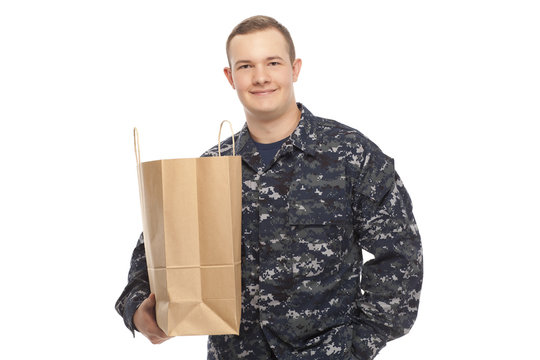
267,59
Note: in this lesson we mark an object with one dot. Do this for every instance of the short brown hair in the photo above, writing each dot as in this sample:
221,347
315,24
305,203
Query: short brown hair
259,23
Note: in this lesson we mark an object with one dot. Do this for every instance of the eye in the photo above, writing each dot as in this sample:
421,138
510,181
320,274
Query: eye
244,66
274,63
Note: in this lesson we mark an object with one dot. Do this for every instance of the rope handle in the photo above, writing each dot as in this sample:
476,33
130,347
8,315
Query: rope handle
137,148
139,172
219,138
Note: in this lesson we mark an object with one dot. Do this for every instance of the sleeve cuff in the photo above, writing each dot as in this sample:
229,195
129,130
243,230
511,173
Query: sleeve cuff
131,306
366,343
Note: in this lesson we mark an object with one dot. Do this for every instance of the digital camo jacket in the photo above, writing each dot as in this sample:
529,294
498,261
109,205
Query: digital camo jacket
306,293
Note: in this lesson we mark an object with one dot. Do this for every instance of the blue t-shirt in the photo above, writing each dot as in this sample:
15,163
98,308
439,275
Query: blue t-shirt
268,151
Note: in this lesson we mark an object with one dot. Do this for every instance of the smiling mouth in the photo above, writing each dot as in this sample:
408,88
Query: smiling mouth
262,92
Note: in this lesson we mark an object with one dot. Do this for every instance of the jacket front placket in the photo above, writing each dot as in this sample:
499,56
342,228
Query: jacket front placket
268,188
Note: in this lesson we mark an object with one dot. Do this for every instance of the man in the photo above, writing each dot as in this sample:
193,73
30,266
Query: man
315,193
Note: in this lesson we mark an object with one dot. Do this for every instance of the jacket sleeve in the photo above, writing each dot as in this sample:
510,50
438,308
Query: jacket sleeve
137,288
387,302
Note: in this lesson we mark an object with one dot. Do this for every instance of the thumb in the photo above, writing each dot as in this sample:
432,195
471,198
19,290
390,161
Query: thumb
152,300
149,303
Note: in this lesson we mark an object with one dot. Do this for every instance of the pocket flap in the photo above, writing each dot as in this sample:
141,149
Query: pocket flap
319,212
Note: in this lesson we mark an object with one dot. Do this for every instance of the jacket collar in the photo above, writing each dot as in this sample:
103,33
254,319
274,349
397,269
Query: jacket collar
304,137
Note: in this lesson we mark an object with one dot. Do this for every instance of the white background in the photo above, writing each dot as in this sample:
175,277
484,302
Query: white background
449,89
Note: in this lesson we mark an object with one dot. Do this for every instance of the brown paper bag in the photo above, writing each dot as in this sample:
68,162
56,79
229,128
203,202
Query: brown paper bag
191,210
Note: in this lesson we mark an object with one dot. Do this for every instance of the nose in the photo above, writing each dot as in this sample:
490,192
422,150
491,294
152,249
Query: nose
260,75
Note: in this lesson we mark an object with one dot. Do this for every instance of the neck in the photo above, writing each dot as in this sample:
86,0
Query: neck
272,129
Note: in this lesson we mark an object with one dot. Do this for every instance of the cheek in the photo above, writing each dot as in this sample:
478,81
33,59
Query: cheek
285,79
240,82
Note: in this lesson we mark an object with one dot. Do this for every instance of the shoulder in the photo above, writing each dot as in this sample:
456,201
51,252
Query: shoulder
225,147
369,168
343,140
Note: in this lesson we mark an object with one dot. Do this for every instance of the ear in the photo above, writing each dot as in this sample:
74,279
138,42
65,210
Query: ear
228,74
297,65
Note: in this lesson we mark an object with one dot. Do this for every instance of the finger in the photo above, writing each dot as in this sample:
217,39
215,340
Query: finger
161,333
159,340
156,338
152,299
149,302
148,305
155,330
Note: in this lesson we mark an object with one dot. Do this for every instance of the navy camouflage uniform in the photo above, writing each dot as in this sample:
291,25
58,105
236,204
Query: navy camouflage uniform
306,216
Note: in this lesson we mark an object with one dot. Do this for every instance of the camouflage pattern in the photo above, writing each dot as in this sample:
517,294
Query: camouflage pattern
138,287
306,216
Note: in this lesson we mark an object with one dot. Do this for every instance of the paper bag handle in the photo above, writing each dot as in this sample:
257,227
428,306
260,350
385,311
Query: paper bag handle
137,149
139,173
219,137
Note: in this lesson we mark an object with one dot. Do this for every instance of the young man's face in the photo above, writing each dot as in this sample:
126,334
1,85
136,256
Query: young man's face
262,74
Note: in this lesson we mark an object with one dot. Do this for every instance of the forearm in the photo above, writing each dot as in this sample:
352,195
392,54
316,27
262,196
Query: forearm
138,287
391,282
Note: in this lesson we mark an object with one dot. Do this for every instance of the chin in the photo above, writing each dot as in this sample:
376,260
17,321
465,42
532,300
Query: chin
264,110
261,108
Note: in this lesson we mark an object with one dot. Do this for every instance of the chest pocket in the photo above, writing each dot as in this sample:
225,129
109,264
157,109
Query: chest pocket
320,228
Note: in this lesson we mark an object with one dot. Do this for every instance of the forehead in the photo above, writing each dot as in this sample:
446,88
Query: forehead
258,45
